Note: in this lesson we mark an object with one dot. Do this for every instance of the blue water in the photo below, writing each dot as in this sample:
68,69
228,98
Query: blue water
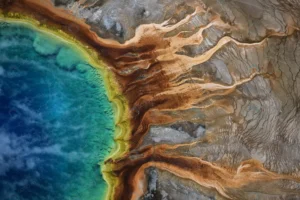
56,123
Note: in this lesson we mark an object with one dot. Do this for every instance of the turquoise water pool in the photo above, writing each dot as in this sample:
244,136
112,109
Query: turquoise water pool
56,122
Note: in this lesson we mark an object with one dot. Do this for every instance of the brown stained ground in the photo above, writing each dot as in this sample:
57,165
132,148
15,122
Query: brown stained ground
231,67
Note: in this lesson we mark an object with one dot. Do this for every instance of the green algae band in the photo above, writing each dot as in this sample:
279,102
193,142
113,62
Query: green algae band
56,122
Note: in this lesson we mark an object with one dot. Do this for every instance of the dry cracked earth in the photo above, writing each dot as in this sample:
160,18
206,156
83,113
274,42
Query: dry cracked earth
214,92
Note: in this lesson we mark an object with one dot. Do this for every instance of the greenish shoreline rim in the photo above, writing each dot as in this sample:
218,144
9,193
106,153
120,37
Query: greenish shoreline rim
112,89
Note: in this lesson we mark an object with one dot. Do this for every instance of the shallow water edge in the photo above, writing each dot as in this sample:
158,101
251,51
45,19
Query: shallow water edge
121,111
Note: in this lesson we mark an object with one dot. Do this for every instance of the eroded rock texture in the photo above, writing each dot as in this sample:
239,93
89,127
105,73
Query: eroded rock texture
213,88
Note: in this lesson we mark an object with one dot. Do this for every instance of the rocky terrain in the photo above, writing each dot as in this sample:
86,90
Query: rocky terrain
213,88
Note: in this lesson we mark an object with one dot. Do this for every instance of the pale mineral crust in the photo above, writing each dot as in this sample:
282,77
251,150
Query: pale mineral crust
214,92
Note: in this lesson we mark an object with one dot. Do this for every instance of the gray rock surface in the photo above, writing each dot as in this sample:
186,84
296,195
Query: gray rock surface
255,120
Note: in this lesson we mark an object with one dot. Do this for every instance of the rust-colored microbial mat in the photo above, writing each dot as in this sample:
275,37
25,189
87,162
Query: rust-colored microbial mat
205,93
